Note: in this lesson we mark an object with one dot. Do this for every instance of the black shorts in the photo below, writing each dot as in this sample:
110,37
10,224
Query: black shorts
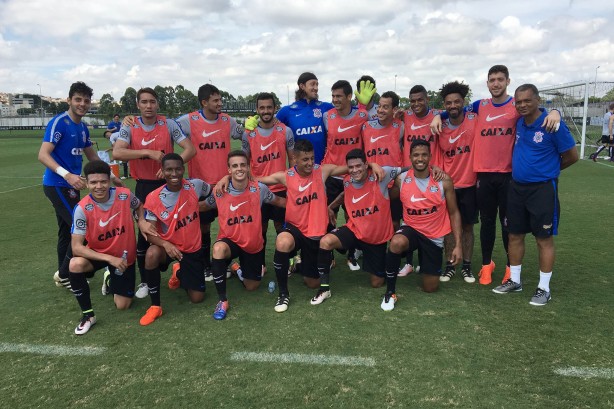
120,284
606,139
64,200
396,209
251,264
144,187
467,205
374,255
334,187
207,217
534,208
309,251
275,213
430,255
192,268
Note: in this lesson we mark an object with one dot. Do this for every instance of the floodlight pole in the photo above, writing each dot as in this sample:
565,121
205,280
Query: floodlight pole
583,143
595,86
395,83
40,95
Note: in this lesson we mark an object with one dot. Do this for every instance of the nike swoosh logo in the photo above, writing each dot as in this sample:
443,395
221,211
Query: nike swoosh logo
233,208
303,188
373,140
414,127
354,200
492,118
265,147
207,134
452,140
416,199
104,224
340,129
180,207
145,143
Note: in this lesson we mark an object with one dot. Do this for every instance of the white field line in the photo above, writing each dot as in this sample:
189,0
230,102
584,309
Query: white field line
20,177
605,164
302,359
585,372
20,188
50,349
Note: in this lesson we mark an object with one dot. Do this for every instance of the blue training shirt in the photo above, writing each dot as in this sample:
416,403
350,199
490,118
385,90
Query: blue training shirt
537,153
306,121
69,139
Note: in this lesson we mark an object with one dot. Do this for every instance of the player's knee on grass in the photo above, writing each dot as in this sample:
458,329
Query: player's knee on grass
121,302
196,296
284,242
312,283
430,283
376,281
251,285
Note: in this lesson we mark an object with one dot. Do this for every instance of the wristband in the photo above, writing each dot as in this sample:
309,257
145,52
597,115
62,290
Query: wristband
62,172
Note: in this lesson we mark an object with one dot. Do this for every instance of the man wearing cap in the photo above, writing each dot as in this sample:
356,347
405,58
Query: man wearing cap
306,115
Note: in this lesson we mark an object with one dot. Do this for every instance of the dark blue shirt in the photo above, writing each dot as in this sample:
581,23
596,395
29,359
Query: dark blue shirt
537,153
306,121
115,125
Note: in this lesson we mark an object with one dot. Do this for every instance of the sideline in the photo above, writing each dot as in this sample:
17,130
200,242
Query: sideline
20,188
51,349
586,372
302,359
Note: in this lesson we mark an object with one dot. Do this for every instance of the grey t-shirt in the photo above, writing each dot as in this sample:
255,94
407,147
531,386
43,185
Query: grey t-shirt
125,133
169,199
266,196
79,224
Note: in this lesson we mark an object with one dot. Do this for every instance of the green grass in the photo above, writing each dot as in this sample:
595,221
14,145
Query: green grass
461,347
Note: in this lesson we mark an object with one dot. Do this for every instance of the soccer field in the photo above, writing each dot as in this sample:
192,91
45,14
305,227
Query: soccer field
463,346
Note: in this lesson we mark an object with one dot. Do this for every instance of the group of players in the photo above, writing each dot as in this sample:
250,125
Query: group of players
407,181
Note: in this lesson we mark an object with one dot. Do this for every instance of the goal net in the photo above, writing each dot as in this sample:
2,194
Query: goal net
582,107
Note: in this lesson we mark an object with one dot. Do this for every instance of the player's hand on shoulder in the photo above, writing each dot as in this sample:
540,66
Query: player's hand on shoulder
436,125
221,187
75,181
438,174
128,120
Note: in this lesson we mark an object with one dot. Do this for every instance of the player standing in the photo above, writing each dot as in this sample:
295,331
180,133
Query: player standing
143,144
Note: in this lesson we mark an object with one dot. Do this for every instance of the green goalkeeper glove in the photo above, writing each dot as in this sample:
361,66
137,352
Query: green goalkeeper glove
366,92
251,122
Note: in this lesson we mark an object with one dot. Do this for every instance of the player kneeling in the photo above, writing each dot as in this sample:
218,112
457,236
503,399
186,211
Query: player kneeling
103,220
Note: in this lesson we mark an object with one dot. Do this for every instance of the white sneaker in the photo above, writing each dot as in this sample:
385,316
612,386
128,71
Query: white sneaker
406,270
142,290
61,282
106,276
320,297
86,323
282,303
388,302
353,264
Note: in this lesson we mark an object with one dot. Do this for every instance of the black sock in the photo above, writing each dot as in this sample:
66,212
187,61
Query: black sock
393,262
81,290
467,265
218,269
409,259
281,262
325,257
153,282
206,249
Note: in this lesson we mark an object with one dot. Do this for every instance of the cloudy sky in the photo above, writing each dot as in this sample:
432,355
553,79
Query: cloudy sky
245,47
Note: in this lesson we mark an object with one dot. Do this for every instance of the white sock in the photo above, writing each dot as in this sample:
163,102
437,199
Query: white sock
515,273
544,281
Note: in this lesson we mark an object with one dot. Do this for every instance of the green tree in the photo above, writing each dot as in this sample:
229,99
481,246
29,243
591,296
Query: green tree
186,100
171,102
128,101
107,105
226,97
435,100
62,106
162,98
609,96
